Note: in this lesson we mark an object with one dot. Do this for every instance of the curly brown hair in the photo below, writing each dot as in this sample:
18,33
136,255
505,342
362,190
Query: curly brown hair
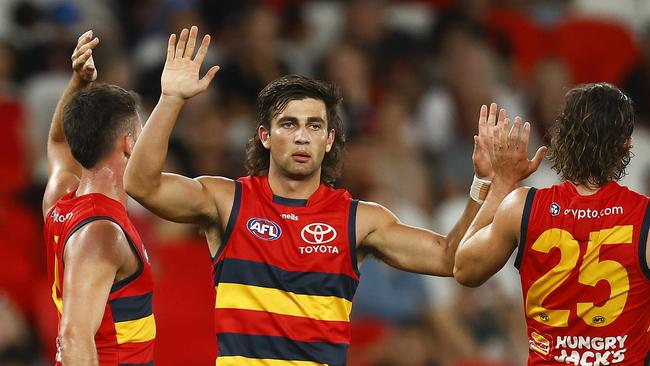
274,98
588,140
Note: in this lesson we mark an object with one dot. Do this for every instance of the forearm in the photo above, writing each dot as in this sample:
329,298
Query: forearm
454,236
78,348
144,170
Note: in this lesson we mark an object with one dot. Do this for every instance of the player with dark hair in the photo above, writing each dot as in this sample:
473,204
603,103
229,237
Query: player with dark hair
286,244
101,279
583,253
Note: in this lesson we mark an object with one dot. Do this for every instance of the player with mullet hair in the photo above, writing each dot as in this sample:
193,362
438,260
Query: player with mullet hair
287,245
583,253
102,284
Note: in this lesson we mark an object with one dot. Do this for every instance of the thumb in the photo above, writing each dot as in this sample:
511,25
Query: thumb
207,79
537,159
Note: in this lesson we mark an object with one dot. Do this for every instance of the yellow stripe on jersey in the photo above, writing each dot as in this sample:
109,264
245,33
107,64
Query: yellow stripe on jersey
245,361
139,330
236,296
58,302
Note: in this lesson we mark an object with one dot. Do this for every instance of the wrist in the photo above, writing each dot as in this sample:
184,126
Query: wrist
499,183
479,190
78,82
171,99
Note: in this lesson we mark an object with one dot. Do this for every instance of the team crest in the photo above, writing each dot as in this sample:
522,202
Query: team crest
264,229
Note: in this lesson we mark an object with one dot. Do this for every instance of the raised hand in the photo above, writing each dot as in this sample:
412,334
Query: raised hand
180,77
483,141
83,64
509,151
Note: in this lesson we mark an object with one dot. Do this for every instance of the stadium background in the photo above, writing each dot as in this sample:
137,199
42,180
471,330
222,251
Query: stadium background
413,75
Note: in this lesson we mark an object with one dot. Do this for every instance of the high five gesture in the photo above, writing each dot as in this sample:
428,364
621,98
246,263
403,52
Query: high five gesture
180,77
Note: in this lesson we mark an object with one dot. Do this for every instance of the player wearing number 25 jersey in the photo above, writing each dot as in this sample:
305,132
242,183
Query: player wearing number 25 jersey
584,275
582,245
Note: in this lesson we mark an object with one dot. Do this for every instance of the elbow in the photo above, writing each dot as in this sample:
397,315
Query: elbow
464,275
466,279
135,186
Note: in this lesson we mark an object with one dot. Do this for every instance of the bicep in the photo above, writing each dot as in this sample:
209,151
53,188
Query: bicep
399,245
92,259
187,200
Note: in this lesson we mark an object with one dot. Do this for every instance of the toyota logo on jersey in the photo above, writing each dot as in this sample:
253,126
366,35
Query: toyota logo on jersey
318,233
264,229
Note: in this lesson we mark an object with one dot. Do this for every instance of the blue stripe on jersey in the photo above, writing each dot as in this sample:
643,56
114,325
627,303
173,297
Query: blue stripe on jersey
281,348
131,307
231,270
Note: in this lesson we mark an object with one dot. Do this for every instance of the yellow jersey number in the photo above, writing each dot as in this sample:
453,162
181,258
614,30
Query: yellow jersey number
592,270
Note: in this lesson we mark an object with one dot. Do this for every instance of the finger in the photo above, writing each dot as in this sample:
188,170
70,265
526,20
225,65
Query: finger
203,49
81,60
513,134
482,120
207,79
503,128
537,159
85,37
85,47
171,47
525,136
180,46
191,42
502,115
492,116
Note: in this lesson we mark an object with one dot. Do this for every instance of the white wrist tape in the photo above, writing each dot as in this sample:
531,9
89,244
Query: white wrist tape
479,190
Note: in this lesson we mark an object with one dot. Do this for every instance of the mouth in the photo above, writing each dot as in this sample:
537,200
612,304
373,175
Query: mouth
301,157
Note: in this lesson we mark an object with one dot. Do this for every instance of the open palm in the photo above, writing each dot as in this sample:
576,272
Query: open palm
180,77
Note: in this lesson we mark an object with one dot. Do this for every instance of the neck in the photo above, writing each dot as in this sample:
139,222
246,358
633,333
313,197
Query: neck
287,187
105,180
586,189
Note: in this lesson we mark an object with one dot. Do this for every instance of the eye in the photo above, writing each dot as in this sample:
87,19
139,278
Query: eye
287,124
315,126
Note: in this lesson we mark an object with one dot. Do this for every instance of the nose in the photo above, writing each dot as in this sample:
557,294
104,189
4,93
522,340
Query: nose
302,136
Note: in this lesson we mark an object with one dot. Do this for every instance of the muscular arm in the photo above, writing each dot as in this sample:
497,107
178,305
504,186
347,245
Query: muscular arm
406,247
63,170
489,243
93,256
172,196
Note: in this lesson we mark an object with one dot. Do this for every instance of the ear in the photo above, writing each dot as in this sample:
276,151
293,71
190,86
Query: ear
265,137
330,140
129,142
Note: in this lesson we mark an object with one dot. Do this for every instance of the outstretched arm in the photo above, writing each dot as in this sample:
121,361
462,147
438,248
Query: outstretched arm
63,170
418,250
487,245
172,196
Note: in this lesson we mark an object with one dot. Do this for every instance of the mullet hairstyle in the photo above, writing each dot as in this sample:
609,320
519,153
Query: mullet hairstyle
273,99
588,140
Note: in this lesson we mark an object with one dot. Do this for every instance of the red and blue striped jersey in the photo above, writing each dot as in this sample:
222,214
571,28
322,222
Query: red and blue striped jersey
127,331
285,277
584,275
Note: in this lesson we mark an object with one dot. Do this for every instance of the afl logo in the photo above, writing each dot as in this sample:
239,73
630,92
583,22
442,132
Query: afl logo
264,229
318,233
555,209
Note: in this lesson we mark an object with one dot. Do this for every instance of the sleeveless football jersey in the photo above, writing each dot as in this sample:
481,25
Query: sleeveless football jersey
127,331
284,278
584,276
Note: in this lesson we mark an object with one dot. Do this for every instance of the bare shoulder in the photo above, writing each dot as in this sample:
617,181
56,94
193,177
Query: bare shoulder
515,201
372,216
100,240
58,185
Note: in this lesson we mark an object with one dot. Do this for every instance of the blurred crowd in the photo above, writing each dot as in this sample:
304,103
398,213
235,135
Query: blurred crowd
413,74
